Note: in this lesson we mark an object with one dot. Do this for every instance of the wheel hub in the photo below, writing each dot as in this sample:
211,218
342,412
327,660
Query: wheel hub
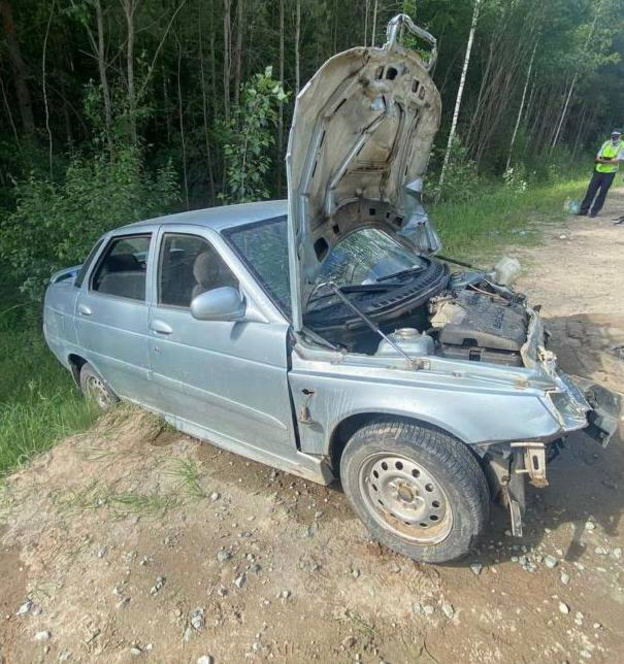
406,498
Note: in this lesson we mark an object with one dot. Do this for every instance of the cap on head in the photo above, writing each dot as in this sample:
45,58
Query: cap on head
616,132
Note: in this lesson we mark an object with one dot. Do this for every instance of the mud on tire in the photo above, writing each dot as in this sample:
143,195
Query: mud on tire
418,490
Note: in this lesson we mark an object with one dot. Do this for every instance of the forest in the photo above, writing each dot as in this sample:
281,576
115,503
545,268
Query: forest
113,110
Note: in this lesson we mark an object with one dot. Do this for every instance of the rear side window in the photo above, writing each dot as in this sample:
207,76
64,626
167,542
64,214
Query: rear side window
122,269
87,264
189,266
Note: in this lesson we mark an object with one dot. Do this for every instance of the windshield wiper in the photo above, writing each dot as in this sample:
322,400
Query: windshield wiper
400,273
354,288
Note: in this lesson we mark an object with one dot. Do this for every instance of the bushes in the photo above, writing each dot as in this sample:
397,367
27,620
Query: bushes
55,224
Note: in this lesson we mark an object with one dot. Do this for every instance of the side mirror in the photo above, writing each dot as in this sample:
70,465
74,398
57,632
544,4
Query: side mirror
224,304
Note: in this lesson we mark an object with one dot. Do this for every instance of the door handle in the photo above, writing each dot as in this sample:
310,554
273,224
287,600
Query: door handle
160,327
84,310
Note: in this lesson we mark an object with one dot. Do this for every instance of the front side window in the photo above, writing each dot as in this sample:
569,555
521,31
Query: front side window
189,266
264,248
122,270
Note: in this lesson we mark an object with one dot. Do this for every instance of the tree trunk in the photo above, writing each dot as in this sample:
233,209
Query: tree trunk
129,7
181,120
521,109
238,63
297,51
101,58
20,73
227,55
44,86
374,29
205,107
280,119
460,90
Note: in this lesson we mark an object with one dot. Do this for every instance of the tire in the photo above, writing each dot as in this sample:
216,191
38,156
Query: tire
95,389
418,490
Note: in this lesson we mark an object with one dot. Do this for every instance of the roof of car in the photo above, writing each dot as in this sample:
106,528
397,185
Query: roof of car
220,218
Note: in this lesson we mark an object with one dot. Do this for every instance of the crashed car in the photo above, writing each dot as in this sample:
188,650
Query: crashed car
322,336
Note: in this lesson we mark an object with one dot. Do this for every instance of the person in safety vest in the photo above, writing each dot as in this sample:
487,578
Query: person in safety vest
607,165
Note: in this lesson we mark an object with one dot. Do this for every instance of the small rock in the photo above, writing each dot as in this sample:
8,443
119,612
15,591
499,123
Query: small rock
348,642
223,555
448,610
617,553
222,591
551,562
564,608
102,552
205,659
585,654
214,496
476,568
158,586
563,237
197,619
65,656
136,651
240,581
355,573
428,609
601,551
285,594
590,525
43,636
565,578
578,618
25,608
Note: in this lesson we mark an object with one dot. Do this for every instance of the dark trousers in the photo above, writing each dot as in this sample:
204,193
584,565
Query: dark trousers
599,184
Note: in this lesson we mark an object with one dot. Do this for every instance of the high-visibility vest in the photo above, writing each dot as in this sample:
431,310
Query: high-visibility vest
609,150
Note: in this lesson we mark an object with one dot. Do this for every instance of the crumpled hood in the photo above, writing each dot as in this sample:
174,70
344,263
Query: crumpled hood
362,132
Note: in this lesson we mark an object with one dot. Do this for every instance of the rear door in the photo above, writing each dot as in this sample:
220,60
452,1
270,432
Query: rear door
229,378
112,315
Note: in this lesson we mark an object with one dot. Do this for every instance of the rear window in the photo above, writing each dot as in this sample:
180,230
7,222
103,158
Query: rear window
121,271
84,268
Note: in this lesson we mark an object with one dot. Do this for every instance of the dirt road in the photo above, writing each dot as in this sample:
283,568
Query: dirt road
134,544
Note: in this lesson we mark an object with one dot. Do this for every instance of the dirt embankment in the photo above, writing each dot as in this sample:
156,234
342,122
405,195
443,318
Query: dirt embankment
133,544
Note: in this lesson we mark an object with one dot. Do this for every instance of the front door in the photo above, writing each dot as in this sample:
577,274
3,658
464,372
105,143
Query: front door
228,378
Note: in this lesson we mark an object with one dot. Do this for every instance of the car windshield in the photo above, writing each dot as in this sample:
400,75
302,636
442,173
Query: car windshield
366,256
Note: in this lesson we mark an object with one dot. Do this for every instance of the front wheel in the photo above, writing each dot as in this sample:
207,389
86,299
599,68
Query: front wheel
418,490
95,389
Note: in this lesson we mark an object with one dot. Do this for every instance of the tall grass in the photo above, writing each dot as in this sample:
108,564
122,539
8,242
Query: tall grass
479,228
39,403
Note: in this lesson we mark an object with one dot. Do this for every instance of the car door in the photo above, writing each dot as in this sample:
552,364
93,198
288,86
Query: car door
112,314
227,378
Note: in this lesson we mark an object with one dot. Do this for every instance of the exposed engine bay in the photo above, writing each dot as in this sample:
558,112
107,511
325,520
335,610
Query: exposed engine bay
466,316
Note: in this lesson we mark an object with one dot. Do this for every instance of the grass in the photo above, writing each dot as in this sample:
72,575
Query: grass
39,403
478,229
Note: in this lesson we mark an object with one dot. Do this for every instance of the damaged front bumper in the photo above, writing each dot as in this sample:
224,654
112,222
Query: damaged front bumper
576,403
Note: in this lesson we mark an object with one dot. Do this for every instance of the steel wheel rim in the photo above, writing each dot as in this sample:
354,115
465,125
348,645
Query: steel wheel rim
406,498
97,391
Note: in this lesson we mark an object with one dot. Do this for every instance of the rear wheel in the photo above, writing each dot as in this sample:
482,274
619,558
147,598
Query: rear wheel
95,389
418,490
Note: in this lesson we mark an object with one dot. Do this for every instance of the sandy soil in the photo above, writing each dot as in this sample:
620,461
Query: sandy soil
132,543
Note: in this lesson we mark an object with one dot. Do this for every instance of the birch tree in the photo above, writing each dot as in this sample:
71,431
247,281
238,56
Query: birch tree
460,90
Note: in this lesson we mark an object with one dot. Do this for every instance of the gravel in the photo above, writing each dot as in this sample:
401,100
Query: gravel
476,568
205,659
564,608
42,636
158,586
551,562
25,608
448,610
240,581
198,620
565,578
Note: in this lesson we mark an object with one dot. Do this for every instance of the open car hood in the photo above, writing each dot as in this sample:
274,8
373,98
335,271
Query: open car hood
359,144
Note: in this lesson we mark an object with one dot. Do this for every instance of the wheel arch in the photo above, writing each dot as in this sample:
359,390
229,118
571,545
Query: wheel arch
76,362
343,431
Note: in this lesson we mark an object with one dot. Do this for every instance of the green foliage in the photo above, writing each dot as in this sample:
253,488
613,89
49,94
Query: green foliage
55,224
462,182
248,138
